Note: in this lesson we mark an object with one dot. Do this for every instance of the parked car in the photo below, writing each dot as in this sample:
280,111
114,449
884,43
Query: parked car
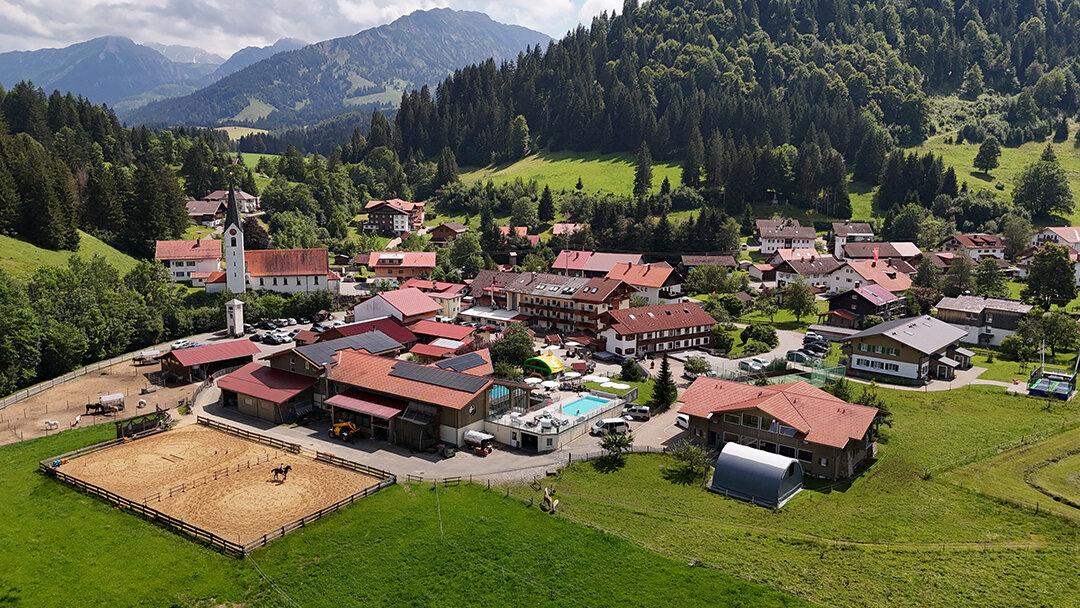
295,331
760,361
182,343
609,426
690,375
817,348
249,328
682,420
337,324
637,412
291,321
285,338
269,325
812,336
749,365
271,339
257,337
797,356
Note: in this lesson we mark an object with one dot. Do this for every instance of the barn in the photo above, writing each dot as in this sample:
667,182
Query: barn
198,362
264,392
765,479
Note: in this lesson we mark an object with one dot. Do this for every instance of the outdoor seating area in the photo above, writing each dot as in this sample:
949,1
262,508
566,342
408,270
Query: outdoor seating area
557,421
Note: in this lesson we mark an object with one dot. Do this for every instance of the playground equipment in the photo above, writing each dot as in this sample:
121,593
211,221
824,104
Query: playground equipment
1053,384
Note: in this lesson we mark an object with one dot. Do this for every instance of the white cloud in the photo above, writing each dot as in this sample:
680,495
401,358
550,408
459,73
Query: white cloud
223,27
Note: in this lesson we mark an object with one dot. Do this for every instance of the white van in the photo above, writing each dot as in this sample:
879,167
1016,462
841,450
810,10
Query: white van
609,426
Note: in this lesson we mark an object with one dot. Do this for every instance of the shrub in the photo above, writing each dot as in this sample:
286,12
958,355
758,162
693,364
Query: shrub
760,333
755,347
723,341
631,372
697,365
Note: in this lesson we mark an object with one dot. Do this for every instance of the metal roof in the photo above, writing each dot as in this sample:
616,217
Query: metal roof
374,342
925,334
764,478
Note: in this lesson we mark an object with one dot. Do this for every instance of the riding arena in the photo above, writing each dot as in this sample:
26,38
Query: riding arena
220,484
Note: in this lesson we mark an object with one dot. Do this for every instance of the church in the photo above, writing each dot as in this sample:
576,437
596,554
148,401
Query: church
277,270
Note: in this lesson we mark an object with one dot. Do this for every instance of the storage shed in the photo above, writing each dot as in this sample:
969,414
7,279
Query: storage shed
764,478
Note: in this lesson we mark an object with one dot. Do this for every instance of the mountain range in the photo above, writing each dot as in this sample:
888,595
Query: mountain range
124,74
368,70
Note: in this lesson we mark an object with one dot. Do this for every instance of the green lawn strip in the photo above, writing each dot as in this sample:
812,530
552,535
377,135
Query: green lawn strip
1004,370
21,259
644,389
560,170
197,232
1061,479
784,319
887,522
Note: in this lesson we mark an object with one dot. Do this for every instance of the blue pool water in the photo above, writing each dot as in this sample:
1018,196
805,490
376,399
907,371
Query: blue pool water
583,405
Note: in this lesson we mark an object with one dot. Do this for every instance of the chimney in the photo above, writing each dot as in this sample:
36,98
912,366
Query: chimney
198,242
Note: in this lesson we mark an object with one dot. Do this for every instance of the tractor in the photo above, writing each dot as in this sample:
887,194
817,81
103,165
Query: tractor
343,430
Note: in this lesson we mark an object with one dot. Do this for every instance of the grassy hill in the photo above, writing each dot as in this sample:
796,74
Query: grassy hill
561,170
21,259
406,546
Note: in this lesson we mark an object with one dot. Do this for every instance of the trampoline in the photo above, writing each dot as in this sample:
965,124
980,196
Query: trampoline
1047,387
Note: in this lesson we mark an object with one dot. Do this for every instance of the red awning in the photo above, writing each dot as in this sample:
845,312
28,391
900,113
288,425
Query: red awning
843,314
365,403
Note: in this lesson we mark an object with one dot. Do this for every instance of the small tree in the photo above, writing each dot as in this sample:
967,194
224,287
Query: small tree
723,341
692,458
637,301
514,347
989,153
546,210
1043,188
765,303
664,391
642,172
697,365
989,279
630,371
617,445
799,299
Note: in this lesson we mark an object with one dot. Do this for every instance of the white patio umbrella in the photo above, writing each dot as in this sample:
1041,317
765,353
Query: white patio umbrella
571,344
533,380
572,375
594,378
619,386
609,384
549,384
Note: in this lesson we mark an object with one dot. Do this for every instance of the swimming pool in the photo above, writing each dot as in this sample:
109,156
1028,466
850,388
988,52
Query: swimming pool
583,405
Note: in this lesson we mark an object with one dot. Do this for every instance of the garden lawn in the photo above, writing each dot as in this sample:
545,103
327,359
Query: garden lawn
644,389
783,319
21,259
1003,370
194,233
900,535
560,170
406,546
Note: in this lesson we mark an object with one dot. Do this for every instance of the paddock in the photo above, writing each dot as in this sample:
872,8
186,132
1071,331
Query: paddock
217,481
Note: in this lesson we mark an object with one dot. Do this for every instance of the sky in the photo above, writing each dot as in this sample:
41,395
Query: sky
223,27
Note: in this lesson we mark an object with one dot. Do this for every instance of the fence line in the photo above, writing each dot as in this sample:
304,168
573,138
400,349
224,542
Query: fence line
292,448
30,391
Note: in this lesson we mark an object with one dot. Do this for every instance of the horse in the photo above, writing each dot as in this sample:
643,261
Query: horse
282,470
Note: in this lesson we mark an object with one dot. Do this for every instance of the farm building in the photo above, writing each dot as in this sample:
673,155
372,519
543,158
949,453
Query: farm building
387,325
198,362
760,477
264,392
406,305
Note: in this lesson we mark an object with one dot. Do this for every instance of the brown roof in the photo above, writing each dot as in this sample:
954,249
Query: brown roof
978,241
201,249
819,416
726,261
601,288
287,262
205,207
845,229
486,279
645,275
270,384
457,227
627,321
822,264
372,373
784,229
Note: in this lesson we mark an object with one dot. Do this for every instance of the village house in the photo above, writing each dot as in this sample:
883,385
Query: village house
399,266
394,216
520,232
649,330
182,258
856,274
248,203
849,232
897,250
815,270
986,320
830,437
446,232
784,234
654,282
590,263
448,295
766,271
912,348
977,246
406,305
205,213
1062,235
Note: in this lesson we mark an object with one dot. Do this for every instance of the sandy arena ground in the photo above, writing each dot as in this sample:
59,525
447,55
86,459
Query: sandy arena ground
241,506
63,402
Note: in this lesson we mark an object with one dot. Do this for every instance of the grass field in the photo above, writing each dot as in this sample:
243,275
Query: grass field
561,170
893,537
20,259
406,546
193,233
644,389
236,133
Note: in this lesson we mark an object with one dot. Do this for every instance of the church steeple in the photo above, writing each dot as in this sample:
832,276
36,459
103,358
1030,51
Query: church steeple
235,267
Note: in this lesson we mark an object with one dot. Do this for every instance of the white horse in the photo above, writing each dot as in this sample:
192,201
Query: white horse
77,419
52,424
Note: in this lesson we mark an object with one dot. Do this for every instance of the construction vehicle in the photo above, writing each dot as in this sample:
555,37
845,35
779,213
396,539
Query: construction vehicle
344,430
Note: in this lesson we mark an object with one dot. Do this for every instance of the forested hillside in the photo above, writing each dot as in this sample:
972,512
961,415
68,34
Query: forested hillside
369,69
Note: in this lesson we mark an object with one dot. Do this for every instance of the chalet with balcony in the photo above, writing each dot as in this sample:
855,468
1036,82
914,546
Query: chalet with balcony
849,232
655,282
977,246
394,216
848,309
656,329
400,266
914,348
590,263
784,234
446,232
985,320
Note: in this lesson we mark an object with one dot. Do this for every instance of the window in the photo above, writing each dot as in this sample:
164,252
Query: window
275,280
732,418
232,242
786,450
824,461
767,446
787,431
297,280
261,282
750,420
549,444
805,456
864,347
191,263
316,280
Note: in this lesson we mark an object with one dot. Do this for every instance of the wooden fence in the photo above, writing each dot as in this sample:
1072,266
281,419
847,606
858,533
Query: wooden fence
273,442
43,386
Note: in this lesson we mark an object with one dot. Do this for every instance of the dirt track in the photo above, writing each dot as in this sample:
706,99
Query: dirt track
228,485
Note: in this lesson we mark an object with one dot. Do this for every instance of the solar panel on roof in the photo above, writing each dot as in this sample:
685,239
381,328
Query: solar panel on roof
462,363
438,377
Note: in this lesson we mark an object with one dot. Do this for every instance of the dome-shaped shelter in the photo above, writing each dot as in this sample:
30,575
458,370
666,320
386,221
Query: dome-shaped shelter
764,478
545,366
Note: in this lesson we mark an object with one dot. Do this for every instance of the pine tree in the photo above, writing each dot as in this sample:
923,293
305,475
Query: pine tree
714,162
695,156
664,390
642,172
546,210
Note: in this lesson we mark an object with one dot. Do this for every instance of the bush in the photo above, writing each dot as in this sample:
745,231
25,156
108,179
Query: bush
1016,348
755,347
723,341
631,372
697,365
760,333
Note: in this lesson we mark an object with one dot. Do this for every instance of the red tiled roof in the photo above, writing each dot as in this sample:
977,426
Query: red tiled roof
387,325
425,327
202,249
592,261
872,270
565,228
409,259
436,288
410,301
394,203
432,351
202,275
644,275
218,276
360,259
287,262
373,374
821,417
263,382
210,353
658,318
367,403
221,195
306,336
